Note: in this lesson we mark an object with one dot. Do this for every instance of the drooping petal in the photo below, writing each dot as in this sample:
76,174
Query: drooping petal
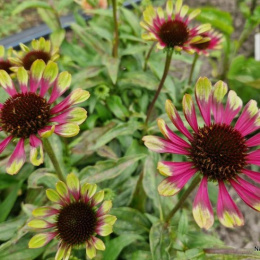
17,159
36,71
172,185
189,112
76,96
22,76
173,168
40,223
107,219
233,106
176,119
104,208
47,131
228,213
60,253
67,130
90,249
7,83
36,150
202,208
166,131
246,195
41,240
73,185
98,243
76,115
252,174
161,145
5,142
219,91
61,84
44,212
203,96
104,230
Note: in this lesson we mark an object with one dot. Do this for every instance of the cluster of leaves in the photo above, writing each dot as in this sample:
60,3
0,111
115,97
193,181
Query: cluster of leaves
109,150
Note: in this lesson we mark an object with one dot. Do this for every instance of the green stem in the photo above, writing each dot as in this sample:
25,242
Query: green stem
165,72
185,195
148,56
48,148
196,56
116,33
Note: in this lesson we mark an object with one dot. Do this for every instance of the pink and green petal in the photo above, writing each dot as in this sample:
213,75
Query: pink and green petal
44,211
36,72
40,223
7,83
176,119
233,106
189,112
172,185
107,219
63,252
36,150
87,191
73,185
160,145
63,191
22,76
17,159
104,208
219,91
67,130
41,239
173,168
104,230
47,131
203,94
98,243
90,249
228,213
61,84
53,196
246,195
202,208
5,142
252,175
171,136
76,115
97,198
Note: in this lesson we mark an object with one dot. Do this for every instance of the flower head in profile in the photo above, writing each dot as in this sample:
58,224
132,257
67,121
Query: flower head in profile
40,50
5,64
211,41
31,114
75,218
172,28
220,151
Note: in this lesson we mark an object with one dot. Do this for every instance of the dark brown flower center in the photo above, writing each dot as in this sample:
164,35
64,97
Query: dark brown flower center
201,46
174,33
218,151
24,114
5,65
32,56
76,223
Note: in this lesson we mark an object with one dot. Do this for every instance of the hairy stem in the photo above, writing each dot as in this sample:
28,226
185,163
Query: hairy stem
148,56
165,72
116,33
49,150
196,56
185,195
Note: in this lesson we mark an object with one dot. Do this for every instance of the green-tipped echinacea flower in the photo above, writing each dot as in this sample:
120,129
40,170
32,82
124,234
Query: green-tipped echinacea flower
30,114
75,219
5,64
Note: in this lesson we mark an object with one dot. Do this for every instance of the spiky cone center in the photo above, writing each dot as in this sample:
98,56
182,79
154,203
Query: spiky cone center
24,114
32,56
5,65
174,33
218,151
76,223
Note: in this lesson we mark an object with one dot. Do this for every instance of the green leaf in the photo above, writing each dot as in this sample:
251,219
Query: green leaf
50,17
116,245
217,18
31,4
112,65
7,181
57,37
105,170
117,108
132,20
130,221
183,224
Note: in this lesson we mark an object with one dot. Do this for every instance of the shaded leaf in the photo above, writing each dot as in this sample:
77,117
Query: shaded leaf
112,65
31,4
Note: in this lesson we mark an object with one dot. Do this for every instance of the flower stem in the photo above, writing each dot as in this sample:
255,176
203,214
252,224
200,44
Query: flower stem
48,148
116,39
196,56
165,72
148,56
185,195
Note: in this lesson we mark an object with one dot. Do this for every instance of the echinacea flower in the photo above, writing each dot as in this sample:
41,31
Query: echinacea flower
31,114
172,29
40,50
212,41
219,150
5,64
75,219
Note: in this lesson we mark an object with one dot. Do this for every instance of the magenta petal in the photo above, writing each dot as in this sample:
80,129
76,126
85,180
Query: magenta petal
253,158
247,185
246,195
228,213
45,85
252,174
174,168
202,208
64,104
253,141
4,143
